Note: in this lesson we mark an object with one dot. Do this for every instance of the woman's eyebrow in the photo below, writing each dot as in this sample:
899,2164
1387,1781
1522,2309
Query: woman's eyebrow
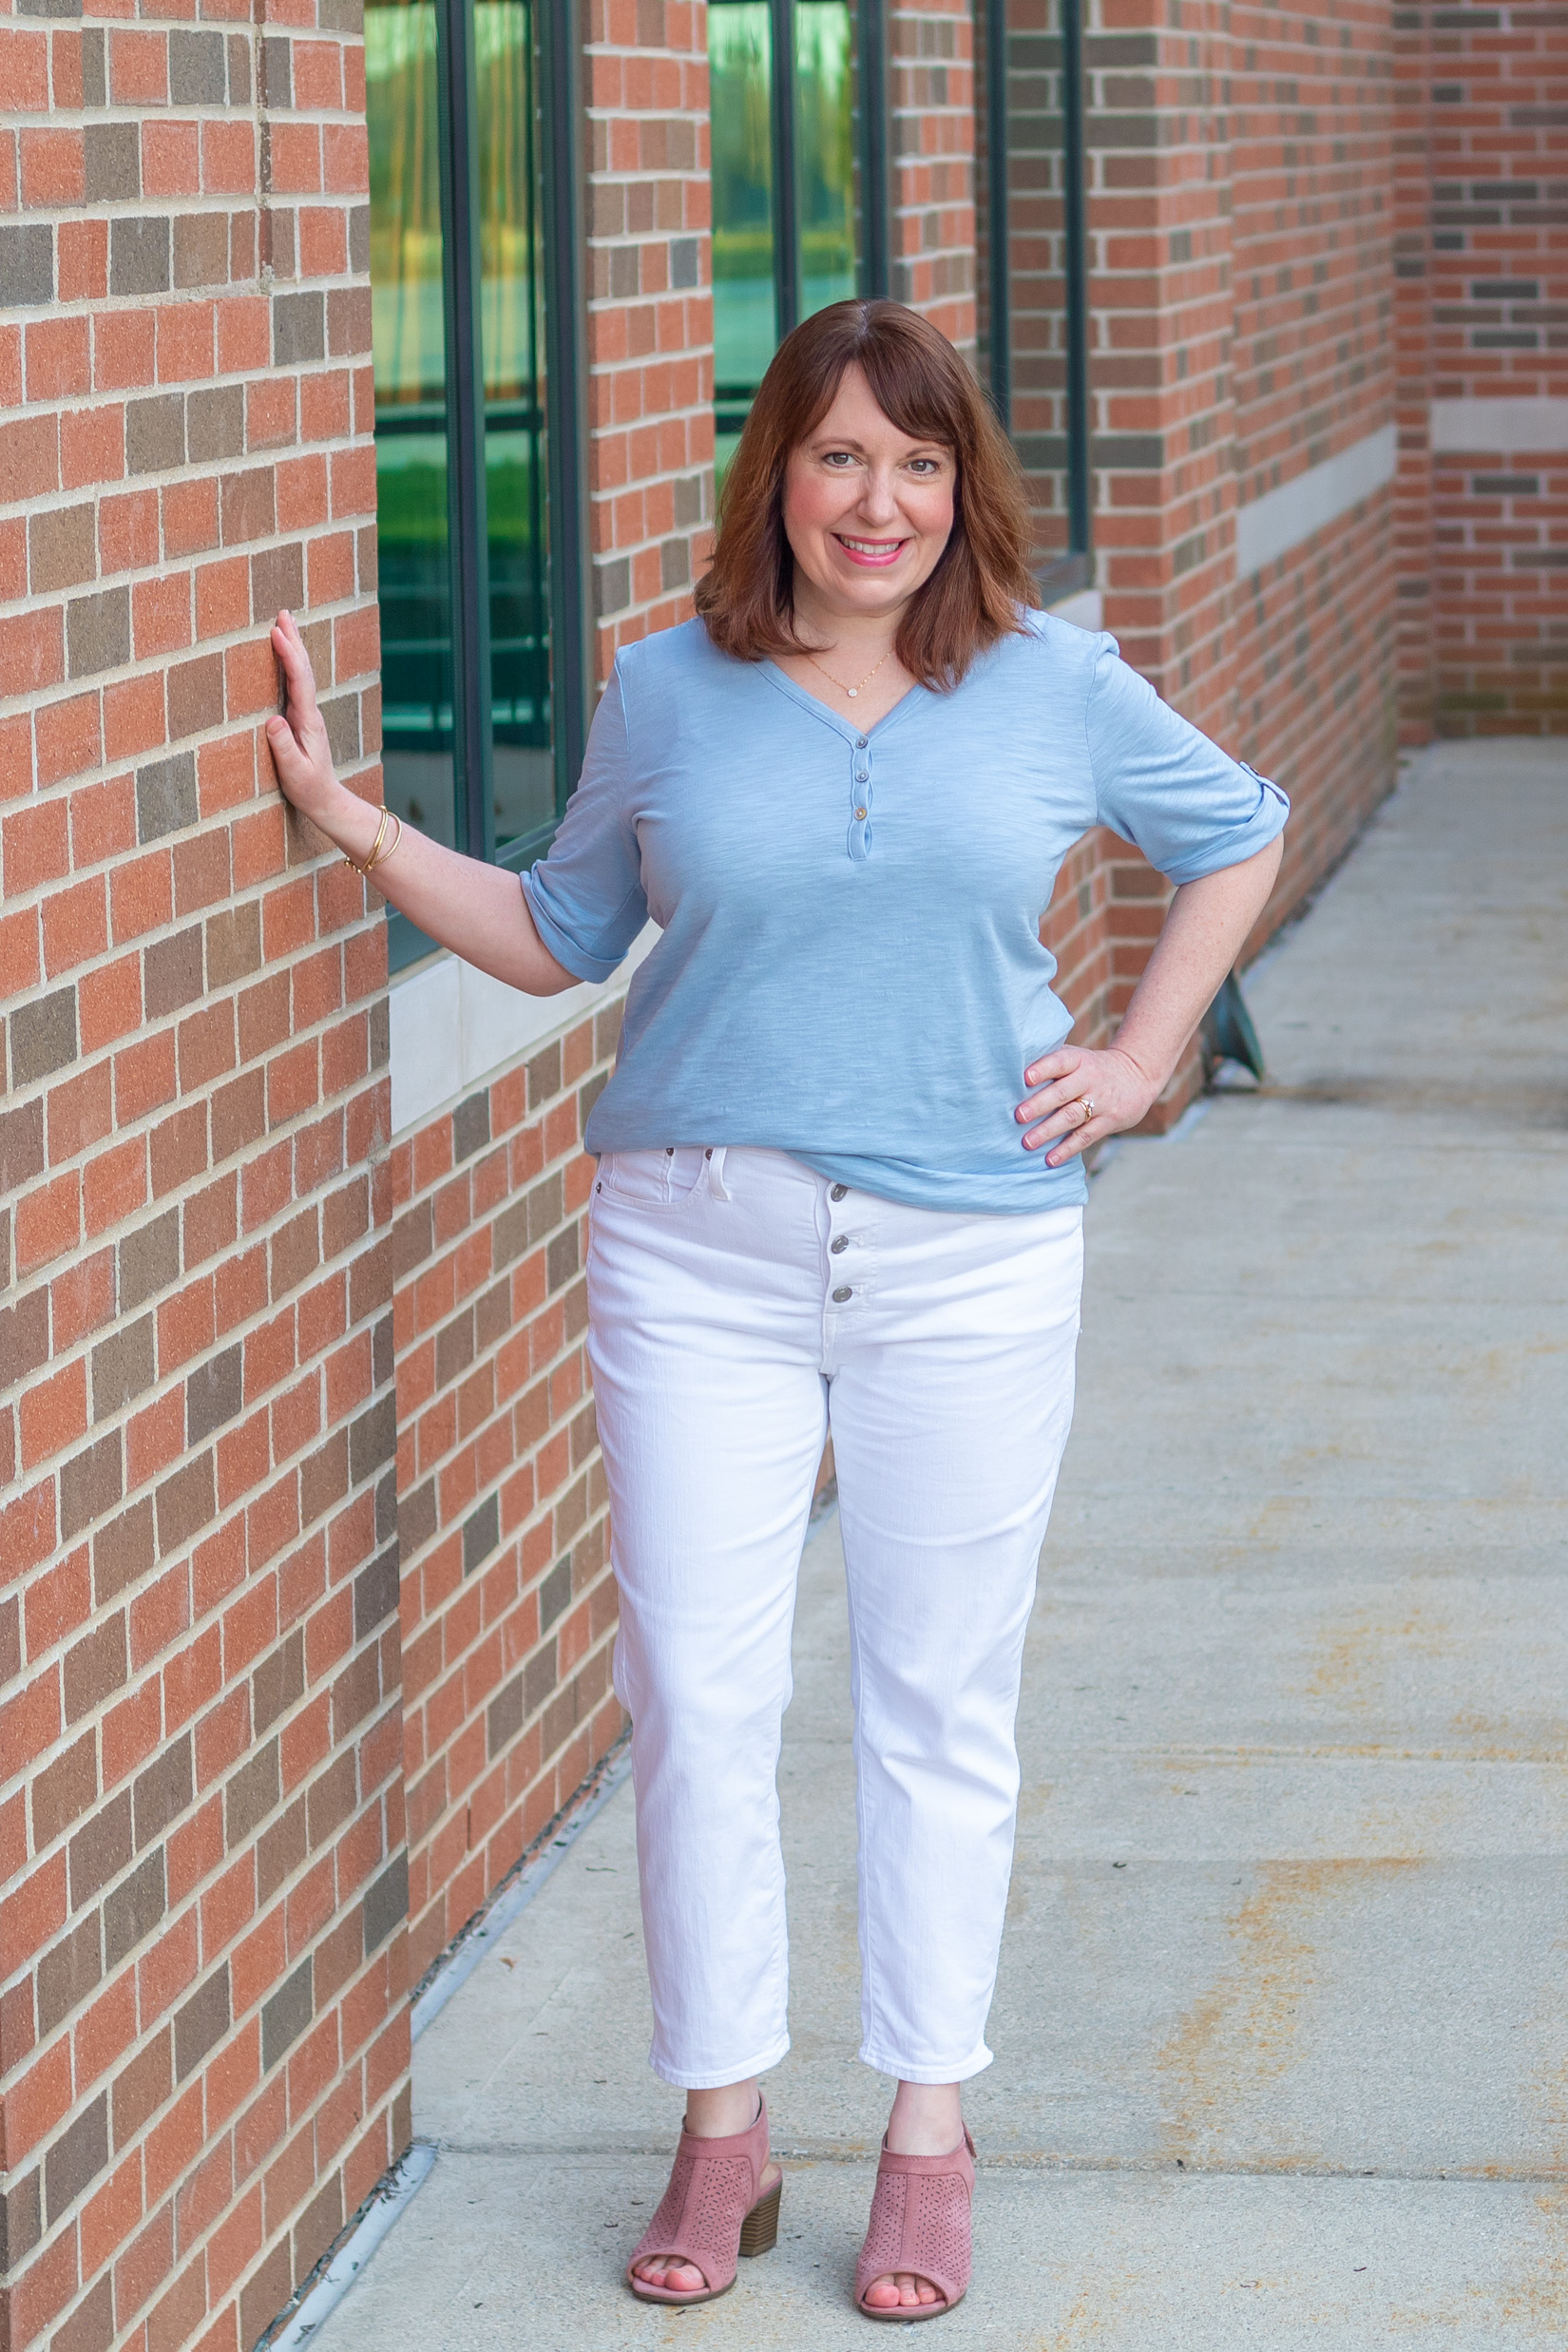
821,442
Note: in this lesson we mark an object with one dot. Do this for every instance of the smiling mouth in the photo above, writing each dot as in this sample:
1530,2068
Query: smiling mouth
871,551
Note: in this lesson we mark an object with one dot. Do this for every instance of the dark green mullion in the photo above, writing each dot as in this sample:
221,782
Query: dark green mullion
467,528
565,412
876,193
786,207
999,256
1077,277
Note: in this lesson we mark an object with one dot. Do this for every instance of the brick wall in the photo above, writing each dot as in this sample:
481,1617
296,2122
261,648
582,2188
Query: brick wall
1240,219
204,2042
227,1293
508,1601
1484,302
650,312
1312,128
931,143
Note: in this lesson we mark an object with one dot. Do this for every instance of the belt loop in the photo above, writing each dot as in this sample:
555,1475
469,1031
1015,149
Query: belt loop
715,1172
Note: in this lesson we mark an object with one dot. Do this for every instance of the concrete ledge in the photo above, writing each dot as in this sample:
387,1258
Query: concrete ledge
453,1027
1501,427
1281,519
1084,608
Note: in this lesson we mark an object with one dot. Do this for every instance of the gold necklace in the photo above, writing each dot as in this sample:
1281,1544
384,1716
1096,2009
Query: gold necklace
850,691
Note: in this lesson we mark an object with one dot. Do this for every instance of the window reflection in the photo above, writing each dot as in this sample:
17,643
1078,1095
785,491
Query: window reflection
409,340
512,332
745,311
824,117
409,312
747,322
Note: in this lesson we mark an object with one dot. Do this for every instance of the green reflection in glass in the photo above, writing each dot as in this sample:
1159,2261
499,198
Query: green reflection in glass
512,329
409,339
745,320
824,116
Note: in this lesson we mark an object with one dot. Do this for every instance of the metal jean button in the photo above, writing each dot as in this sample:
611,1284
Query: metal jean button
842,1295
840,1192
842,1243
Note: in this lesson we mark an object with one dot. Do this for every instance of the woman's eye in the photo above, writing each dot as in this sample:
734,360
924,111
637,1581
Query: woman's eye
839,458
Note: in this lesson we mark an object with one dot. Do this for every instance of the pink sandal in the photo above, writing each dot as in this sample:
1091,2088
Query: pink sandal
920,2222
713,2210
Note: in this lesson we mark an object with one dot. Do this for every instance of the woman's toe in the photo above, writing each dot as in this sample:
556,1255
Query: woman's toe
882,2295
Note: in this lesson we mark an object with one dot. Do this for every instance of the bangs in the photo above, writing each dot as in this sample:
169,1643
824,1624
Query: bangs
981,582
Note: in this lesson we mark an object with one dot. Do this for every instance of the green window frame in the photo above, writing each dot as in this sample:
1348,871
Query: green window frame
800,166
475,241
1034,327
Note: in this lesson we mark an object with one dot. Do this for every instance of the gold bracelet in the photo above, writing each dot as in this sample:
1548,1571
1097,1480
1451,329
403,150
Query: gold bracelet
376,851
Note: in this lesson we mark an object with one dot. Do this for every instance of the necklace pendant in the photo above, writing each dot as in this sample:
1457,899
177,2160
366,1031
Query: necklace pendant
851,692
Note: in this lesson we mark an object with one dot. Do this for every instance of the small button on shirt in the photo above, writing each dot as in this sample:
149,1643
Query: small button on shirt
850,968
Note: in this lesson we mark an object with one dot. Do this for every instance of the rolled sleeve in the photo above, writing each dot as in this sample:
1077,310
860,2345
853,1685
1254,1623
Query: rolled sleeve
586,897
1160,784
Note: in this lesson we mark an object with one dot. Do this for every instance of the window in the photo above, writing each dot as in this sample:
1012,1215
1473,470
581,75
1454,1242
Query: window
1033,310
478,376
799,177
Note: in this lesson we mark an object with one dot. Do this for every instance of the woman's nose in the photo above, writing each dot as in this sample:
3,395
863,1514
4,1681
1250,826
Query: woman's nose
877,502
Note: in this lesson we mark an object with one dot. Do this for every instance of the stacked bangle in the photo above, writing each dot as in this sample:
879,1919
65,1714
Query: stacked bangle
377,850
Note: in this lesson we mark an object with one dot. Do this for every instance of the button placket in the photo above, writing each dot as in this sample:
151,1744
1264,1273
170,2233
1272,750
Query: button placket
860,800
844,1292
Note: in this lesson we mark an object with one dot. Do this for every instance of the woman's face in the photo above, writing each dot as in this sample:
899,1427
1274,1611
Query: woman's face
867,511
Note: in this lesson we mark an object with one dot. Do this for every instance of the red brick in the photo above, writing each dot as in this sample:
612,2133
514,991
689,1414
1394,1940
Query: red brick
59,360
70,738
75,921
141,896
109,1002
35,844
80,1112
32,650
139,69
30,455
133,716
127,528
115,1184
82,261
48,1221
92,446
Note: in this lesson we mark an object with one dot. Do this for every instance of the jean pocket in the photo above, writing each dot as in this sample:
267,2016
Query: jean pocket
653,1179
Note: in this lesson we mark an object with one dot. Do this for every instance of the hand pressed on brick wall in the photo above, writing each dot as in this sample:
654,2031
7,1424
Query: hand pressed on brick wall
477,911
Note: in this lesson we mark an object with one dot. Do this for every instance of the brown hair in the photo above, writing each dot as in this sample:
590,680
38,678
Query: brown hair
922,386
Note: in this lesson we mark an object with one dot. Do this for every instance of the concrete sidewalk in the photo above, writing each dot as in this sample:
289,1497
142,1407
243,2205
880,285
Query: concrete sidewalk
1281,2031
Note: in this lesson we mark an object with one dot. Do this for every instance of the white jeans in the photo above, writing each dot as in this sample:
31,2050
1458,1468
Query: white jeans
736,1303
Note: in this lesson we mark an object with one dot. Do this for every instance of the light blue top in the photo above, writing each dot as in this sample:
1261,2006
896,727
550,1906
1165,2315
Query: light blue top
850,968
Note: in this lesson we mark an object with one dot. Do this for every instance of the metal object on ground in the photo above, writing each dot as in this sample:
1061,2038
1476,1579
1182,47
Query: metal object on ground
1228,1033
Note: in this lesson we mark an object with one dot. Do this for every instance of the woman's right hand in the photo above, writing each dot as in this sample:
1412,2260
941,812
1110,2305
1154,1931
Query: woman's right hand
298,737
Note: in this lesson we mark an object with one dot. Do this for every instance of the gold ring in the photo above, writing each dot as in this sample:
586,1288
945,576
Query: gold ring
1086,1104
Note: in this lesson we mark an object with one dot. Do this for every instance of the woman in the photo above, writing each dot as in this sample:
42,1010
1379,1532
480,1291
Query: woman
843,793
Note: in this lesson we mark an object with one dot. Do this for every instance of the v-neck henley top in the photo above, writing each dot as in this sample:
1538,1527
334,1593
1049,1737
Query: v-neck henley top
851,968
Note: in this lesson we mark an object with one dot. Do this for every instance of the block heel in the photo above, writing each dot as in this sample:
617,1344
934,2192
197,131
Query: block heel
711,2213
760,2230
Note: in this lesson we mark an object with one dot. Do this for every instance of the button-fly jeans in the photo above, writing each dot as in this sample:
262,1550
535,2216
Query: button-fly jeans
737,1303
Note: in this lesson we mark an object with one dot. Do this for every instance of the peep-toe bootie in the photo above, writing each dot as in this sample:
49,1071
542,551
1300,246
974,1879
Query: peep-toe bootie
713,2211
920,2222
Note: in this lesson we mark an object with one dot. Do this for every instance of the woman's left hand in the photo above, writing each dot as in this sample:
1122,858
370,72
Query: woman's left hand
1082,1099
